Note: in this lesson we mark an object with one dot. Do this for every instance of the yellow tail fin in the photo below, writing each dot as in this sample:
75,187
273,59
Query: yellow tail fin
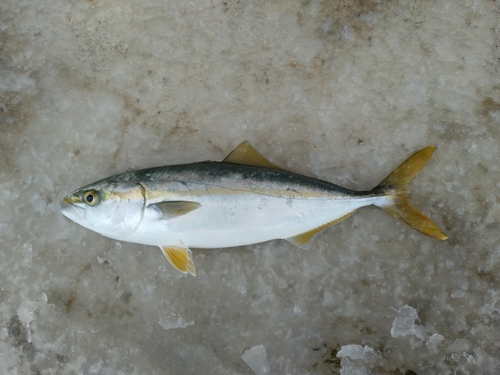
396,185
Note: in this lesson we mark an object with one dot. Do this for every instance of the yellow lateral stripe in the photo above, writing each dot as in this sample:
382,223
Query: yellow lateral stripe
176,195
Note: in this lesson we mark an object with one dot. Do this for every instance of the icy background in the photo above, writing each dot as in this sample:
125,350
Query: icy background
337,89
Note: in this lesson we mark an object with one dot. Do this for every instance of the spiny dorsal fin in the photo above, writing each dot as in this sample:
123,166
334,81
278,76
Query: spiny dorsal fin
180,257
171,209
246,154
303,240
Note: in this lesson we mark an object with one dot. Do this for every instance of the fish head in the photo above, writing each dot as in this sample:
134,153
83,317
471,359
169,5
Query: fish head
113,207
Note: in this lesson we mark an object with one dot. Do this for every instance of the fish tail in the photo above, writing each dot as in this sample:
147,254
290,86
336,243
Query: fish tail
396,186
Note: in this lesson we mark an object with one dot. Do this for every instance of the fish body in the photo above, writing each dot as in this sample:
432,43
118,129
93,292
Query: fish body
242,200
234,204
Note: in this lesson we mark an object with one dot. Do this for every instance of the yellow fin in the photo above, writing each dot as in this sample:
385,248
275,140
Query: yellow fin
170,209
396,185
246,154
180,257
303,240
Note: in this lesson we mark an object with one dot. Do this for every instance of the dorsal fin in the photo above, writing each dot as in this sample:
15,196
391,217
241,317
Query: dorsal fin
246,154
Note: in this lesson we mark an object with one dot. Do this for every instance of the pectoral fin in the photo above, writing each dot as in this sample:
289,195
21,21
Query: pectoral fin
180,257
303,240
170,209
246,154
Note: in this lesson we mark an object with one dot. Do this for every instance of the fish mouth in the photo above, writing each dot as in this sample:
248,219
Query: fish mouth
69,210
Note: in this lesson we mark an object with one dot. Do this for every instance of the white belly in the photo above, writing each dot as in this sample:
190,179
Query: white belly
242,219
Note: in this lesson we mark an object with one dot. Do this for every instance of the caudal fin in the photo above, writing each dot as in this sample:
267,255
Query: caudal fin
396,185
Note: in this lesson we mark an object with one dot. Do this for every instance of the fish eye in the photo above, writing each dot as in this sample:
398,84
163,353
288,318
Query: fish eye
91,198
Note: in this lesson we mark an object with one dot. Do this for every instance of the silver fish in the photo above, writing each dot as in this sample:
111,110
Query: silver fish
244,199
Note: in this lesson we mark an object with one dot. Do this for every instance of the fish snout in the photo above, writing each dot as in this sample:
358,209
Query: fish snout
68,209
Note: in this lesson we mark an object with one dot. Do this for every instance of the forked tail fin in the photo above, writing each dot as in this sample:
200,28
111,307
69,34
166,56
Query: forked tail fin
396,185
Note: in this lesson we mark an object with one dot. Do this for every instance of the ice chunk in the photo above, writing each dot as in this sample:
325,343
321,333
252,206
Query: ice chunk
26,311
174,321
433,341
357,360
404,323
357,352
256,359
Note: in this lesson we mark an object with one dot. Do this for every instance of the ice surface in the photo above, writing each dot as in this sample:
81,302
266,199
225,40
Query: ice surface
256,358
175,322
340,90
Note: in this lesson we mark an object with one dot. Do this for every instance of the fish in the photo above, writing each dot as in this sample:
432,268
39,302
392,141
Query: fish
242,200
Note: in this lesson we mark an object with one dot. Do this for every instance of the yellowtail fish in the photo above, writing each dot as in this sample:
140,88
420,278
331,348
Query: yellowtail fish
244,199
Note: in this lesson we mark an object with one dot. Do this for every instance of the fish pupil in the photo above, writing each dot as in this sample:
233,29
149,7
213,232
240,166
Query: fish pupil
89,198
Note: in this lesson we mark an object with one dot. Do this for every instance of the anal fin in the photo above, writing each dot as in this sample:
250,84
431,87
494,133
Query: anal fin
303,240
180,257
